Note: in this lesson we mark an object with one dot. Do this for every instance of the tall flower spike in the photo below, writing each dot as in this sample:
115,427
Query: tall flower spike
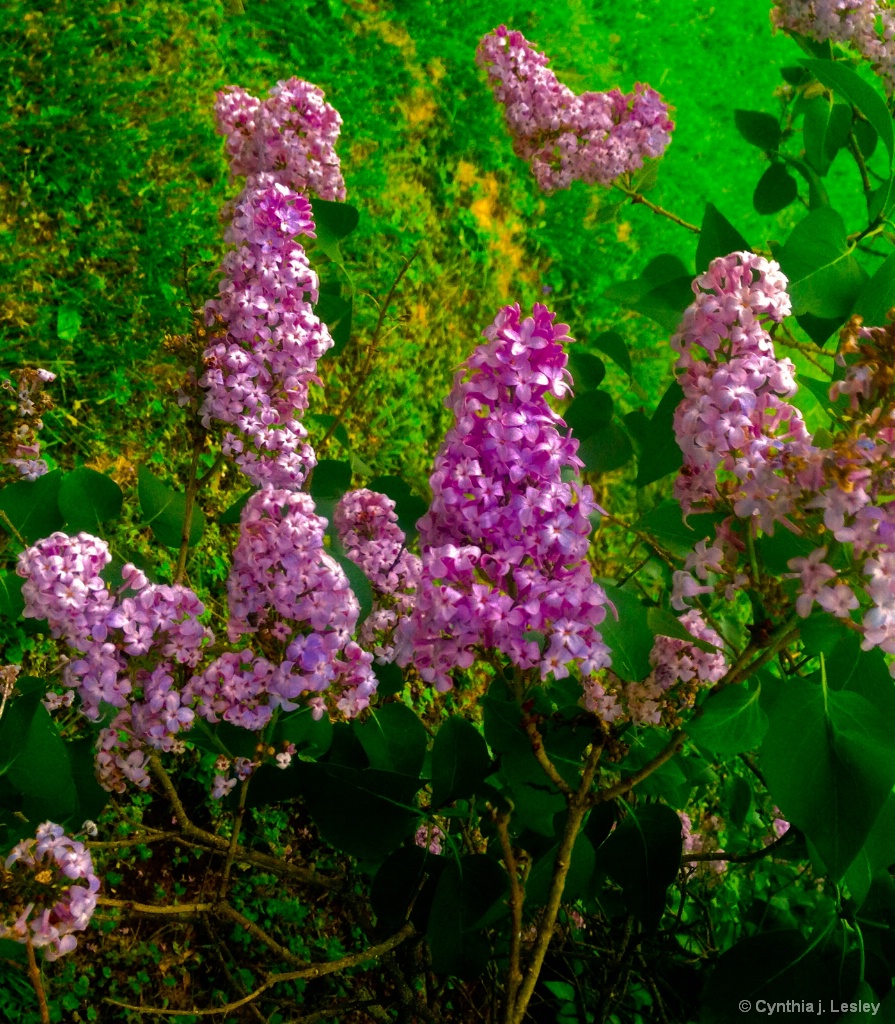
504,543
593,137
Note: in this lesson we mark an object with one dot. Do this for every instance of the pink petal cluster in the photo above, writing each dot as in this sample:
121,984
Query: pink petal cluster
54,897
258,372
429,837
21,439
866,25
283,580
367,527
592,137
290,136
505,540
126,646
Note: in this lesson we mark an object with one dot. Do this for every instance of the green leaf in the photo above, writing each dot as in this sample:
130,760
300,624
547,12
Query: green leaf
164,510
587,371
467,889
662,292
394,739
14,726
390,679
613,345
629,638
460,761
663,623
866,137
366,813
32,507
334,221
877,296
12,604
87,499
660,454
737,799
829,761
358,582
336,312
68,323
407,881
666,523
758,129
877,854
607,449
331,479
795,75
825,131
42,770
849,85
589,413
578,880
643,855
775,190
824,276
233,514
312,737
718,237
731,722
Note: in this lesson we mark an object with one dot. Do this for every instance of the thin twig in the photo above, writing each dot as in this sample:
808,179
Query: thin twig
547,766
674,745
37,984
517,897
742,858
186,530
638,197
174,910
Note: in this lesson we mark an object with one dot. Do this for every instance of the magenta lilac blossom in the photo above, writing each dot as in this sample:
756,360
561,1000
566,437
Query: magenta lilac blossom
593,137
504,543
49,891
290,137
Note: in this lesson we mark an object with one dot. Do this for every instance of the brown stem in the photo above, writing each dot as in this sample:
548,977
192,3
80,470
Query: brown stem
675,744
311,971
286,955
37,984
579,803
174,910
638,197
517,898
234,839
548,767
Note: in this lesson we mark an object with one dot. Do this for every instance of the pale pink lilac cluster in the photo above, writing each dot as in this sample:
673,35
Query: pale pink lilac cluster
429,837
21,439
679,670
49,891
128,647
290,137
257,372
367,527
868,26
505,540
283,581
593,137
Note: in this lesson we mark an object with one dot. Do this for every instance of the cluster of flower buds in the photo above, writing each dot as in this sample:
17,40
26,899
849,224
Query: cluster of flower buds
868,26
47,891
593,137
19,441
504,543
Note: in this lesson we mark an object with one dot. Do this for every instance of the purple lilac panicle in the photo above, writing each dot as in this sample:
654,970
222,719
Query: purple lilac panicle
367,527
46,905
866,25
283,579
594,137
290,136
505,539
258,373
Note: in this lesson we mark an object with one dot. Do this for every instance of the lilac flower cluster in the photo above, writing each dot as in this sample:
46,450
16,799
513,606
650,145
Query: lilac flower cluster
126,646
367,527
866,25
289,137
19,439
429,837
705,841
258,372
55,898
284,583
504,563
592,137
679,670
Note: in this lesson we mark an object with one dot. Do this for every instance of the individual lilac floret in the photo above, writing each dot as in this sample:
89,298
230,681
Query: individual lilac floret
20,434
866,25
258,372
367,526
505,540
290,136
593,137
283,580
40,900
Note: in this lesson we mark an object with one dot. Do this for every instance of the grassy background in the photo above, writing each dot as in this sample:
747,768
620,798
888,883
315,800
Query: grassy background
111,177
